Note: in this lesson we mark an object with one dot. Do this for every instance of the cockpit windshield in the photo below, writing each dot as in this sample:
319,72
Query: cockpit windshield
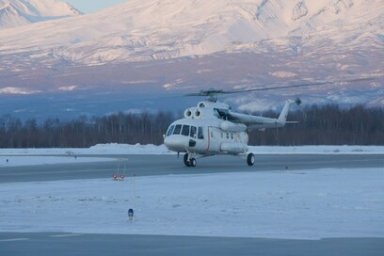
177,129
193,131
185,130
170,130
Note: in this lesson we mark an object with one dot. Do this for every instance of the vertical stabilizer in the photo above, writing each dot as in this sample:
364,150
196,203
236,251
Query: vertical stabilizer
284,113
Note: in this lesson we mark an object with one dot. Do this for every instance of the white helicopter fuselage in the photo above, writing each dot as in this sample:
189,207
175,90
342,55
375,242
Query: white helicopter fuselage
212,128
203,132
209,139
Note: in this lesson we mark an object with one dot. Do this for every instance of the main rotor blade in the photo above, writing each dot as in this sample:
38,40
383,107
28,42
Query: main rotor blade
210,92
214,92
304,84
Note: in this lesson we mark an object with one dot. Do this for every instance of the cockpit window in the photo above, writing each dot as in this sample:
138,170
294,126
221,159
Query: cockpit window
185,130
177,129
170,130
200,134
193,131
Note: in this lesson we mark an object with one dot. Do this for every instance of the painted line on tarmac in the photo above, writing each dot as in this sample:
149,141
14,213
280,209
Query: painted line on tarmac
13,240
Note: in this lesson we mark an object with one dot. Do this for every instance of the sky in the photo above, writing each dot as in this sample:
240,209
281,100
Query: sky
88,6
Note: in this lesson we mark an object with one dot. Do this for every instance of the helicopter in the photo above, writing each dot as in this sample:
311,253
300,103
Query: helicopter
212,128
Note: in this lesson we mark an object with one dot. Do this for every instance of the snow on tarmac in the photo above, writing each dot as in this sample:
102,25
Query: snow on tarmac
305,204
45,156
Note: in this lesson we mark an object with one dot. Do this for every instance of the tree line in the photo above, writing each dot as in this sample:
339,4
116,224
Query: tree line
83,132
325,125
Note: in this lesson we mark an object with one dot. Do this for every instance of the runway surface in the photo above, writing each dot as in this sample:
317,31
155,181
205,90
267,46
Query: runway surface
144,165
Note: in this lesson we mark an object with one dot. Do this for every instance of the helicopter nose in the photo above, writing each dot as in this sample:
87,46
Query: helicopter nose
176,143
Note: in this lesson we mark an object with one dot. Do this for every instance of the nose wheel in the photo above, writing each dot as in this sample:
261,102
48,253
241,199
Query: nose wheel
189,162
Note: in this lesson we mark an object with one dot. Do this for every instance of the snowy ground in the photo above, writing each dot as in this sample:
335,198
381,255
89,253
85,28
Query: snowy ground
306,204
42,156
29,160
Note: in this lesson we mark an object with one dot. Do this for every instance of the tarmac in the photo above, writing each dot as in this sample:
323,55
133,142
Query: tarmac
41,243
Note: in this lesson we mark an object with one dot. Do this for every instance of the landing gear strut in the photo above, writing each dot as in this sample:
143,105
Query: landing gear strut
189,162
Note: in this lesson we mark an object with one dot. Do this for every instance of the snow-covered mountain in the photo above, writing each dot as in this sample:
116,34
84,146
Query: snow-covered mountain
192,44
14,13
159,29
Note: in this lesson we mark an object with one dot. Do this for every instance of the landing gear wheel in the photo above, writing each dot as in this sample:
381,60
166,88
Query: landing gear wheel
189,162
186,161
250,159
192,162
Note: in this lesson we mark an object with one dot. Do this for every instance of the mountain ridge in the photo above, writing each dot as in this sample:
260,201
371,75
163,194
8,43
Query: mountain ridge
189,45
14,13
136,27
